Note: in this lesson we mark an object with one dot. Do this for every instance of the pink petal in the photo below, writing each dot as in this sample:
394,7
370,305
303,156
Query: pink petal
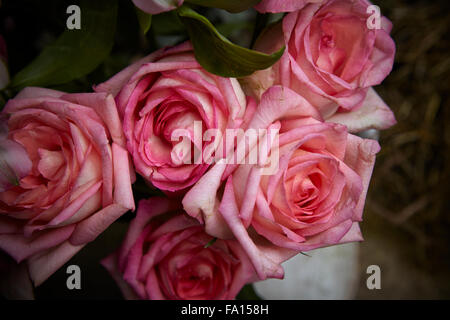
200,202
90,228
123,193
157,6
14,164
229,210
360,156
34,92
117,82
382,59
50,163
276,6
246,272
374,113
105,107
152,287
280,102
20,247
147,209
42,265
111,264
76,205
353,235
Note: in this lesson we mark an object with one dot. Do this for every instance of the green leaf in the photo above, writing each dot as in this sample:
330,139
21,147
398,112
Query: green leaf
217,54
145,20
305,254
229,5
248,293
167,24
210,243
76,52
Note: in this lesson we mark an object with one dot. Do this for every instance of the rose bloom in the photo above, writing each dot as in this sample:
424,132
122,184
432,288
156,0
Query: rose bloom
332,59
276,6
74,178
160,99
158,6
166,255
314,198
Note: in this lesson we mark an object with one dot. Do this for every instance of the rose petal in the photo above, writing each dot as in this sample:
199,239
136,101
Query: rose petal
276,6
111,264
20,248
157,6
373,114
41,266
229,210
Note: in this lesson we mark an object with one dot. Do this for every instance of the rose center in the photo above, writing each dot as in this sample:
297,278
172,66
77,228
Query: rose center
328,41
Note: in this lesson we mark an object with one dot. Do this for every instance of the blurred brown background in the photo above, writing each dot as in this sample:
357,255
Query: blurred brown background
407,216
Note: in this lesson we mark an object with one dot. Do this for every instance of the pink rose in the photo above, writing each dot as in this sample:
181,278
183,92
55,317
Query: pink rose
276,6
167,101
77,180
157,6
332,59
315,198
170,258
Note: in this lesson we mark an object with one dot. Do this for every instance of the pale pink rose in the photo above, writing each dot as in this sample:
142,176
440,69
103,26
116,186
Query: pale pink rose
157,6
332,59
276,6
314,198
166,255
78,183
161,98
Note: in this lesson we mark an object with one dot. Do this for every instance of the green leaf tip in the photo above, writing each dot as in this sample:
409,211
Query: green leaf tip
210,243
217,54
145,20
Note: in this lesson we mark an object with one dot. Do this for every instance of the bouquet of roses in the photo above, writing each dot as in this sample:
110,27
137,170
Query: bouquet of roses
254,151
